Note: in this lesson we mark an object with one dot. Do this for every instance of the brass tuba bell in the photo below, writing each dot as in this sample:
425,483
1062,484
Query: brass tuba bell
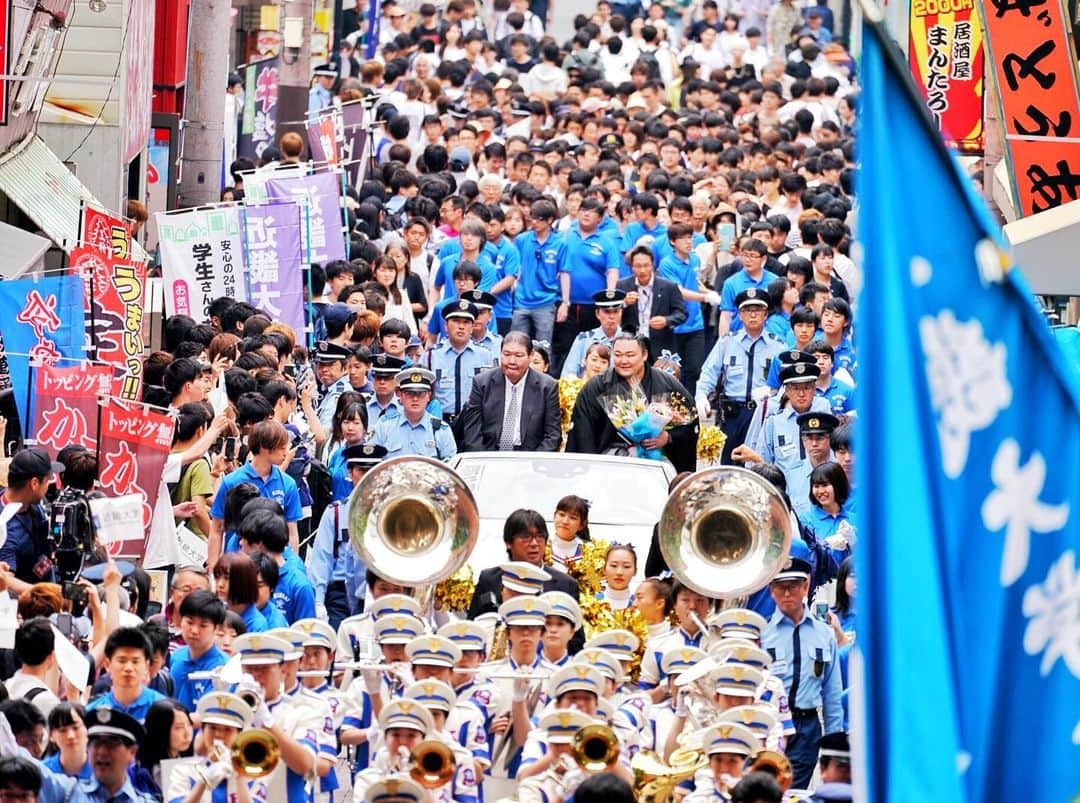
433,764
255,753
595,747
413,520
725,532
775,763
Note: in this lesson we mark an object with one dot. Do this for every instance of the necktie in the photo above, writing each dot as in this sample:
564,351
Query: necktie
796,667
506,437
646,307
750,370
457,383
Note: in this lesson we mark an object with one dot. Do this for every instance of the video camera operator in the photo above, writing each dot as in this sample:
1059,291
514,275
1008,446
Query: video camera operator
26,550
71,529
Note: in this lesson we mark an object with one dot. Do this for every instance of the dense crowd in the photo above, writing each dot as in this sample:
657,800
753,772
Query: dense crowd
628,243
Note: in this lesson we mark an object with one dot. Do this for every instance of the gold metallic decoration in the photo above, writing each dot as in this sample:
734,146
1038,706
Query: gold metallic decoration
456,591
255,753
569,388
710,443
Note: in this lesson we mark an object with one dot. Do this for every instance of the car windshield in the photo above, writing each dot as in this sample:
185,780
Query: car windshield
620,493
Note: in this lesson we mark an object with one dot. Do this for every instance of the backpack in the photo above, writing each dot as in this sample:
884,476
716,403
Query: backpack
648,58
321,485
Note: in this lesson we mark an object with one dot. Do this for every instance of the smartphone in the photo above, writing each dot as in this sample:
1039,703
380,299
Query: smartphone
230,448
290,370
152,609
63,623
821,611
74,592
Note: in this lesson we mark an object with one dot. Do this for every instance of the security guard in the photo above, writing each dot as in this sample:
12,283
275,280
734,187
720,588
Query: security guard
113,738
775,401
335,569
330,361
609,308
737,369
805,658
482,333
416,431
457,359
780,441
384,403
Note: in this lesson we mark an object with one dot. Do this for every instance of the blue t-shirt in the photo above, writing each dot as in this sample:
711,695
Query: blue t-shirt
278,486
294,594
588,260
506,264
444,279
254,621
685,274
181,665
840,395
53,763
273,616
138,709
538,270
735,284
636,230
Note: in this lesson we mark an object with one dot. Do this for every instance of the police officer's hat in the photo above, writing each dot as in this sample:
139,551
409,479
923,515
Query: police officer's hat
752,297
325,71
610,142
481,299
793,356
799,372
813,423
835,746
363,455
325,351
609,299
794,569
386,366
415,379
461,308
111,722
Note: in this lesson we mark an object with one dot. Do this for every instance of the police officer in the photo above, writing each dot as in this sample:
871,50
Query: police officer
457,359
383,402
415,431
805,658
482,332
114,738
780,441
330,361
609,308
335,569
737,369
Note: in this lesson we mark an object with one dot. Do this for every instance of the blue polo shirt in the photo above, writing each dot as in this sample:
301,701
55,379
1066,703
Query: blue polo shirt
636,230
507,263
685,274
278,486
273,616
53,763
254,621
662,247
840,395
294,594
588,259
138,709
735,284
444,279
181,665
538,270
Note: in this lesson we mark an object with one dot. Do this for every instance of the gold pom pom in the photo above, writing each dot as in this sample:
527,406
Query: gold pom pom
456,591
710,444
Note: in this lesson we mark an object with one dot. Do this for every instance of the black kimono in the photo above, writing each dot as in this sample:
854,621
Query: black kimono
591,431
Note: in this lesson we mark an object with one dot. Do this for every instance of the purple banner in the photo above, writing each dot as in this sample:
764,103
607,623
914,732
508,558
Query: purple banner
275,259
325,136
324,235
354,136
371,41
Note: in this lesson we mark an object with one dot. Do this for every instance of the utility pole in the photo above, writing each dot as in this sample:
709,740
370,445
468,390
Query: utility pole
294,68
204,102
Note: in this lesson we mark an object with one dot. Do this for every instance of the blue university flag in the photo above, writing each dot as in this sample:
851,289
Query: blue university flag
969,470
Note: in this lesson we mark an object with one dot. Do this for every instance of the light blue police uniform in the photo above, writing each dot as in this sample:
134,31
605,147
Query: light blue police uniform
427,438
779,442
735,284
743,363
329,400
454,371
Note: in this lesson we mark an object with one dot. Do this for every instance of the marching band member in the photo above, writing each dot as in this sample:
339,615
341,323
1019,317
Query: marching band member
520,578
620,565
761,720
290,667
473,689
559,627
727,747
289,720
212,778
733,685
433,658
438,698
662,714
631,705
771,691
557,731
392,632
357,633
396,789
652,598
690,607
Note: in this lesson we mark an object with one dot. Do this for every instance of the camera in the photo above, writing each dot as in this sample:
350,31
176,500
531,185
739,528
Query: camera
71,539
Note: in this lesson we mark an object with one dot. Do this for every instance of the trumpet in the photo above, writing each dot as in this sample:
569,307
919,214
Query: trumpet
255,753
595,747
433,764
776,764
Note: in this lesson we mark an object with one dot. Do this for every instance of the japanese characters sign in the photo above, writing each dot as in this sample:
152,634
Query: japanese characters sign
1030,51
42,321
325,135
258,125
945,52
134,445
65,411
114,287
202,258
354,138
324,238
274,259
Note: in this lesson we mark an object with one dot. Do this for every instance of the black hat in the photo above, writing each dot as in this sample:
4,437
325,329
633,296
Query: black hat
31,463
364,455
415,378
751,297
326,71
338,314
835,745
799,372
111,722
325,351
386,365
794,569
834,792
610,142
460,309
794,356
609,299
813,423
481,299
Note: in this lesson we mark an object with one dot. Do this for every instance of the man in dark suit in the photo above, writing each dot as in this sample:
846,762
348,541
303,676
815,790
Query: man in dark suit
654,306
525,534
513,406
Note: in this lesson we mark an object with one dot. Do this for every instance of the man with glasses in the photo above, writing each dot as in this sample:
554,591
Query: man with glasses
804,655
752,275
736,370
415,431
525,534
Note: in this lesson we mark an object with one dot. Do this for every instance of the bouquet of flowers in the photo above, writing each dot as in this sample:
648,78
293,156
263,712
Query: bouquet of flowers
637,418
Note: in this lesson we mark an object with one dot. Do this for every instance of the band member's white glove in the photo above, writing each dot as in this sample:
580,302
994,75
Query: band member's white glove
217,772
320,612
712,297
372,680
682,708
521,689
704,409
262,717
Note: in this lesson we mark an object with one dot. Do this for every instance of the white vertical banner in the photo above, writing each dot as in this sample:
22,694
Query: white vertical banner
202,258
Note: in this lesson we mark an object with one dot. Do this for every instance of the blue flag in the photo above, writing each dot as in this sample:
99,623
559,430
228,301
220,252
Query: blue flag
44,318
969,439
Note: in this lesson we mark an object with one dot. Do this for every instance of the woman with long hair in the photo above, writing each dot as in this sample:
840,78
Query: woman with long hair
410,283
398,305
67,736
350,428
236,583
571,529
169,734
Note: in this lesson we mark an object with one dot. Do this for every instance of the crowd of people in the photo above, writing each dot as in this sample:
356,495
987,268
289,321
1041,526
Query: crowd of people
551,238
